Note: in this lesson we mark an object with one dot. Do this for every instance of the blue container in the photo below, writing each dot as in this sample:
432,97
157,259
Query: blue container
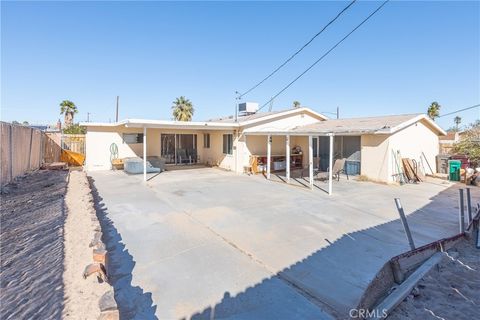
352,167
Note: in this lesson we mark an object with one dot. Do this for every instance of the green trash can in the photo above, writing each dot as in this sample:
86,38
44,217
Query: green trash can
454,170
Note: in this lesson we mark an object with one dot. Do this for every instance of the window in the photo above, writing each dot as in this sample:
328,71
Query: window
227,143
130,138
206,140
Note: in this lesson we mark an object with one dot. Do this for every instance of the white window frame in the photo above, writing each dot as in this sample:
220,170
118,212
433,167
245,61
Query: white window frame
229,137
206,140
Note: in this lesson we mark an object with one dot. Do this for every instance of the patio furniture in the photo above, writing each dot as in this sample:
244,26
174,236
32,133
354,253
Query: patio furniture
157,162
338,167
117,164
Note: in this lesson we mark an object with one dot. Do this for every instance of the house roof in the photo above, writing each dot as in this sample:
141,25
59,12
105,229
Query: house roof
220,123
357,126
262,116
243,118
167,124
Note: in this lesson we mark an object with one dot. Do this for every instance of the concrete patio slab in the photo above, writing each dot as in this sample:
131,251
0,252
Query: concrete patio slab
208,242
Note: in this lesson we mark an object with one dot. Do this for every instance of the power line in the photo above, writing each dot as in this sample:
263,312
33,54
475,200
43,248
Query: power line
325,54
464,109
298,51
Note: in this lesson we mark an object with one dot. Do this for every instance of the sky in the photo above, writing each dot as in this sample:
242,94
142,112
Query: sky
148,53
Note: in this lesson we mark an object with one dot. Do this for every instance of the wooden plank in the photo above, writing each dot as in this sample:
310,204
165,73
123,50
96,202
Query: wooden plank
407,170
403,290
415,174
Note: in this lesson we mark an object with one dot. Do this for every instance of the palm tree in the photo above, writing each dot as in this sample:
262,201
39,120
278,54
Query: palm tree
296,104
434,110
457,121
182,109
68,108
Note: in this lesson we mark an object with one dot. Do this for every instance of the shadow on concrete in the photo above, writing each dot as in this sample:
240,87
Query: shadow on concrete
297,179
32,246
132,301
335,277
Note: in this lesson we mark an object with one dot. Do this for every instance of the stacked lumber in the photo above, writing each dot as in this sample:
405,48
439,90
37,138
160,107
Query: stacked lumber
411,170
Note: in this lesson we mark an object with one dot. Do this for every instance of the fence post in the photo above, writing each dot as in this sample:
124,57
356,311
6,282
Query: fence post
30,150
10,142
469,206
461,212
40,150
43,140
404,222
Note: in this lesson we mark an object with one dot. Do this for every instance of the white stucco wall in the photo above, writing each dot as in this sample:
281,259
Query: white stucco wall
283,123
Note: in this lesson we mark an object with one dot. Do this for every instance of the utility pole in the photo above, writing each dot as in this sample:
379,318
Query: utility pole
116,113
237,98
88,116
338,112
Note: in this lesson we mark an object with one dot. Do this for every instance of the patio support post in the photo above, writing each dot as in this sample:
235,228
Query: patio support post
144,153
310,161
330,164
269,155
287,147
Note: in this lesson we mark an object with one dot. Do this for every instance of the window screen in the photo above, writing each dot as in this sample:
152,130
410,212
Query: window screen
227,143
130,138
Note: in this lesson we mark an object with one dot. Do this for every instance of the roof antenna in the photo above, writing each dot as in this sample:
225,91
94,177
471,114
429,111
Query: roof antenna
271,105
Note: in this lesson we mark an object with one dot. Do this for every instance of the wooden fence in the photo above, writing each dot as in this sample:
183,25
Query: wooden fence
23,149
73,142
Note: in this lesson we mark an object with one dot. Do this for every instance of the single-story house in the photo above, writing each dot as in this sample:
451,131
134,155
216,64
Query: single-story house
302,135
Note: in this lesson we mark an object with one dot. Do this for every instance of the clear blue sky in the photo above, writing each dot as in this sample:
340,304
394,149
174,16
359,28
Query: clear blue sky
406,56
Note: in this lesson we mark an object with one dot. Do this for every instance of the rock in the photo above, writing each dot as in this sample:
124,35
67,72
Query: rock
97,268
415,292
109,315
100,255
96,239
107,302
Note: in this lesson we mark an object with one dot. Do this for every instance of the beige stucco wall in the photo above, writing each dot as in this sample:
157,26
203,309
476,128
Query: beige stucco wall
214,155
257,145
375,157
377,161
414,140
99,139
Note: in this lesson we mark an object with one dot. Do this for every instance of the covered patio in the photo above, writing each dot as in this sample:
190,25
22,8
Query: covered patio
323,149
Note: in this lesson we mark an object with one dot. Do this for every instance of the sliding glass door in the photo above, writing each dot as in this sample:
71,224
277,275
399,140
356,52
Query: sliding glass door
179,148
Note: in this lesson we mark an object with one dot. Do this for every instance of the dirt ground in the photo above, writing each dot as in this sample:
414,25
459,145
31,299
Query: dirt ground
46,228
81,295
450,291
32,247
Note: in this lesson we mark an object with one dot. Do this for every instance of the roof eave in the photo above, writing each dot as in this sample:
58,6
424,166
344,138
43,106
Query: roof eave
281,114
418,118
